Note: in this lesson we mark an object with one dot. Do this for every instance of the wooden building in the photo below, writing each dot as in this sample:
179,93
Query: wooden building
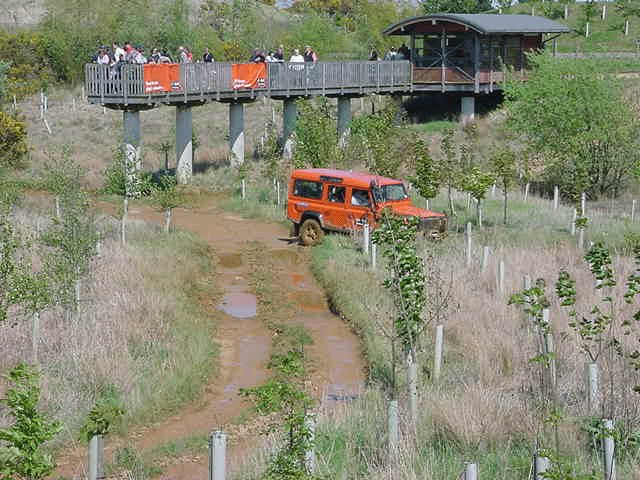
469,52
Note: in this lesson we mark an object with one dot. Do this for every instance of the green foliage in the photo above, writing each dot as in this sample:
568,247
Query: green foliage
4,69
115,175
406,281
428,176
21,451
554,11
374,143
562,468
535,301
503,165
101,418
13,141
626,437
284,395
315,134
628,8
590,328
72,237
165,192
19,284
578,121
30,68
455,6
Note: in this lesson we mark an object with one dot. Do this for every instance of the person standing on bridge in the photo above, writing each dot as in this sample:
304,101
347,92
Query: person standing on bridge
309,55
207,56
296,57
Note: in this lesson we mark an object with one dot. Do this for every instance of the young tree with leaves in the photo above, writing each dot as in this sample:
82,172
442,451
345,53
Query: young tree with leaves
477,182
21,452
72,237
449,165
284,395
428,177
503,165
316,143
406,283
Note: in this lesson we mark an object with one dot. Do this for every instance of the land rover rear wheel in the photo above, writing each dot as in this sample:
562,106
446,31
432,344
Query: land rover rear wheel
311,232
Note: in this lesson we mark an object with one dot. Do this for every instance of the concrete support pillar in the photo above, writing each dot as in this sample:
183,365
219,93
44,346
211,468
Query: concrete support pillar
344,114
467,108
396,99
289,115
132,151
184,146
236,133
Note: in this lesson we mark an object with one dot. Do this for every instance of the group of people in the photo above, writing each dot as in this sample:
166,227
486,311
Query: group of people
277,55
117,55
402,53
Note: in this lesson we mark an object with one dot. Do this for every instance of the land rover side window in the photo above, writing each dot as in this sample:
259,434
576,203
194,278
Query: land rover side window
307,189
336,194
360,198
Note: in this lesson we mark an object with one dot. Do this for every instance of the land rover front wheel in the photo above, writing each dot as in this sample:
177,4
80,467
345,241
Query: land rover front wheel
311,232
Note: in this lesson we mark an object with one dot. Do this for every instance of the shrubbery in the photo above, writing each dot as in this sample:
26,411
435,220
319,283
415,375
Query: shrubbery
13,141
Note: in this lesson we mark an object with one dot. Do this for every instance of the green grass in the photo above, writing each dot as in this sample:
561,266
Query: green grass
605,36
430,128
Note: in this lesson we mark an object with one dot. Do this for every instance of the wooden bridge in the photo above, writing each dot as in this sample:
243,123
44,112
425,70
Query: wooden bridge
204,82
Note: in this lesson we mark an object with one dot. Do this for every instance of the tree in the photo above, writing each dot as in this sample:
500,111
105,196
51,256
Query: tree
449,165
72,237
315,134
167,196
405,281
456,6
13,141
503,165
477,182
22,454
428,176
576,118
284,396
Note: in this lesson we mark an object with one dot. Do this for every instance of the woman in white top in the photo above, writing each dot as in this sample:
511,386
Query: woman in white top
296,57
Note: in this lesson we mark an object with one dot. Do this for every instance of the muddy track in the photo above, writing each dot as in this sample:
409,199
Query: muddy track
265,279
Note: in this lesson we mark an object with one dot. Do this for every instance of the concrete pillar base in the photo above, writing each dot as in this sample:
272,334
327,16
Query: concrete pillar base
344,114
184,145
236,133
467,109
132,151
289,114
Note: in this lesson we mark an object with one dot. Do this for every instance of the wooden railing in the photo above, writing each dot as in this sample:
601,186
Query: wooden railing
125,85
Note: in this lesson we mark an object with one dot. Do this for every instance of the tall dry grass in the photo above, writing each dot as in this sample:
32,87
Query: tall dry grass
137,335
490,397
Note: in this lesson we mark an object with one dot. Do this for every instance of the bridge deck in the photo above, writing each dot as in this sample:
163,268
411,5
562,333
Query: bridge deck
202,82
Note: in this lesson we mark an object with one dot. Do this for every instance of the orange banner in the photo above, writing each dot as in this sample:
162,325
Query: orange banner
248,75
162,77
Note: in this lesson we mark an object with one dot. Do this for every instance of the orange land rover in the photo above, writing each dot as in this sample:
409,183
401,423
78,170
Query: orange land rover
322,199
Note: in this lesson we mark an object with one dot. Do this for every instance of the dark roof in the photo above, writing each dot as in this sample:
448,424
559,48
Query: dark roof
483,23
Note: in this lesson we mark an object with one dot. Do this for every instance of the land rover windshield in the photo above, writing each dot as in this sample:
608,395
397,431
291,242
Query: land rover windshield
389,193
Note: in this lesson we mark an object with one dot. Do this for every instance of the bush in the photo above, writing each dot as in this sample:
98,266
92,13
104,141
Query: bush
13,141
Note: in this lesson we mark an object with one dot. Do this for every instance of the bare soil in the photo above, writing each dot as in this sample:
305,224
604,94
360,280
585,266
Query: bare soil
256,261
